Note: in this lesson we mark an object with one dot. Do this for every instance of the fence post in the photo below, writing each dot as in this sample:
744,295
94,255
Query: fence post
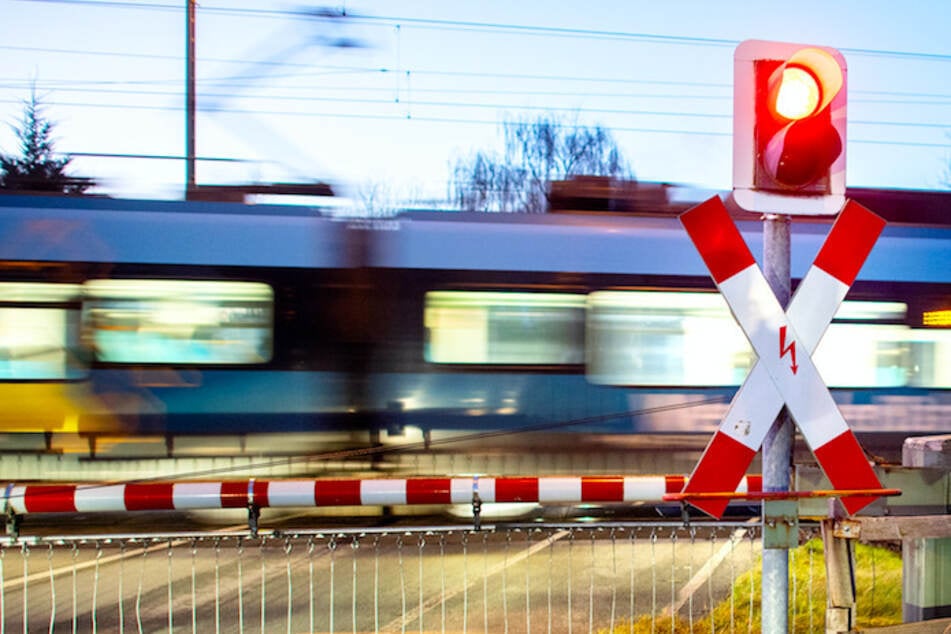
838,536
926,561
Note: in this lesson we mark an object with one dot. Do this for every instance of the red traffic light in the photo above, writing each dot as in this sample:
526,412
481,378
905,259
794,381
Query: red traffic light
797,94
789,128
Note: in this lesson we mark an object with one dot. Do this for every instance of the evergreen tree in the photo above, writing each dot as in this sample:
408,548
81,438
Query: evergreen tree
37,168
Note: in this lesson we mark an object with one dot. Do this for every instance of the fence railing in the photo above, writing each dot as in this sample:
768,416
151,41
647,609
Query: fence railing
546,578
607,578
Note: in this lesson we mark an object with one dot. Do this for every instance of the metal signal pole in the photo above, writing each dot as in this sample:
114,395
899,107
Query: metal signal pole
778,444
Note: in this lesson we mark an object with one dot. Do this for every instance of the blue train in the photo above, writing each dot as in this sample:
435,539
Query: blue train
159,317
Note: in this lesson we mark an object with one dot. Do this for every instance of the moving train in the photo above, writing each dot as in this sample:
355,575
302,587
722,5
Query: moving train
162,317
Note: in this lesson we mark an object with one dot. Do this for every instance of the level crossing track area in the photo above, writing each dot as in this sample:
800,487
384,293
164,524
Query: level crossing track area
136,335
304,455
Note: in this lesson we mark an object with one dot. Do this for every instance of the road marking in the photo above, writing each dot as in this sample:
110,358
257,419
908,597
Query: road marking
399,624
102,561
702,576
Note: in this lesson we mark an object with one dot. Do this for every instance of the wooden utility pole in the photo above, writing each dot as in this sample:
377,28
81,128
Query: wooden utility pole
189,97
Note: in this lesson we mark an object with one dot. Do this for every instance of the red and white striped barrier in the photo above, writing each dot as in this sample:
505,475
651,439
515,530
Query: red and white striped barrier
782,374
179,496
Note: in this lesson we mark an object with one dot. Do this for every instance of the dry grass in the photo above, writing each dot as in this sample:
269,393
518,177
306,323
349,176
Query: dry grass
878,591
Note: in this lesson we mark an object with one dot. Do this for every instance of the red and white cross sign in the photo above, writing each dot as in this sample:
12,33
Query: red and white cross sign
784,342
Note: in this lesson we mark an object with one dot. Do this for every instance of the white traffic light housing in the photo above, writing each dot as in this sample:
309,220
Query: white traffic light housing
789,116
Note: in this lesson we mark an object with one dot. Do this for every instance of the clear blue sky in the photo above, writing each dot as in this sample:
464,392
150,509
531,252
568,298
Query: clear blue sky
436,77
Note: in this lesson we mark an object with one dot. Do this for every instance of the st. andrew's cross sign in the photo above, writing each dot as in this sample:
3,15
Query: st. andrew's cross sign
784,373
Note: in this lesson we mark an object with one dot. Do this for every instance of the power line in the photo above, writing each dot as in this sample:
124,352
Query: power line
328,70
407,94
160,157
485,26
419,22
414,102
470,121
16,84
435,104
311,68
150,6
423,103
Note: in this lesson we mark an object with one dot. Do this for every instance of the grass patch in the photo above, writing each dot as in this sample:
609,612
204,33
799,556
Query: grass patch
877,583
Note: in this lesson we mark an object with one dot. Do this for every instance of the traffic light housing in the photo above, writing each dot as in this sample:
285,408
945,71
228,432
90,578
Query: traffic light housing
789,115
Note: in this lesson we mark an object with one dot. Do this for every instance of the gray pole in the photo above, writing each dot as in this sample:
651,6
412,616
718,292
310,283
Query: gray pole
778,445
189,96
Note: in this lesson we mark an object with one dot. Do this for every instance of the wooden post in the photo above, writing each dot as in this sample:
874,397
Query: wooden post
837,538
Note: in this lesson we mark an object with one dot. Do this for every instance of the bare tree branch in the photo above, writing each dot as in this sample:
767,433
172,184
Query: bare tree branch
536,153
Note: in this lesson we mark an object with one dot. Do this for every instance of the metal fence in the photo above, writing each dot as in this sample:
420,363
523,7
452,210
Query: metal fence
515,579
606,578
530,578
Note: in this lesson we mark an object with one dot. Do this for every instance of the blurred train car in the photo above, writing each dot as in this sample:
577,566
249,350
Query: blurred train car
172,318
607,323
195,318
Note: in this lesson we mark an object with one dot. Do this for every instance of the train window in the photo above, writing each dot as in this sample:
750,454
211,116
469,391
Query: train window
664,338
505,328
930,352
39,331
690,339
857,311
180,322
864,355
866,346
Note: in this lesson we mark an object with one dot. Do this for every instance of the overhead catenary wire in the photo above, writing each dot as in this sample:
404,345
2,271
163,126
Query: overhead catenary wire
520,92
312,69
512,107
451,24
96,86
417,115
400,116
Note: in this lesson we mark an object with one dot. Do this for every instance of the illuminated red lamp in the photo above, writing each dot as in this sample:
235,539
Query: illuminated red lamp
789,128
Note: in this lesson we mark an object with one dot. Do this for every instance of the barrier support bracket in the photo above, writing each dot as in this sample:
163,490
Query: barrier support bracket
476,511
780,524
254,515
685,513
11,518
254,510
13,523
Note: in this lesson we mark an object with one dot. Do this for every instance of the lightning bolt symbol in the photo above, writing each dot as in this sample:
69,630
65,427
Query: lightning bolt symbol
790,349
